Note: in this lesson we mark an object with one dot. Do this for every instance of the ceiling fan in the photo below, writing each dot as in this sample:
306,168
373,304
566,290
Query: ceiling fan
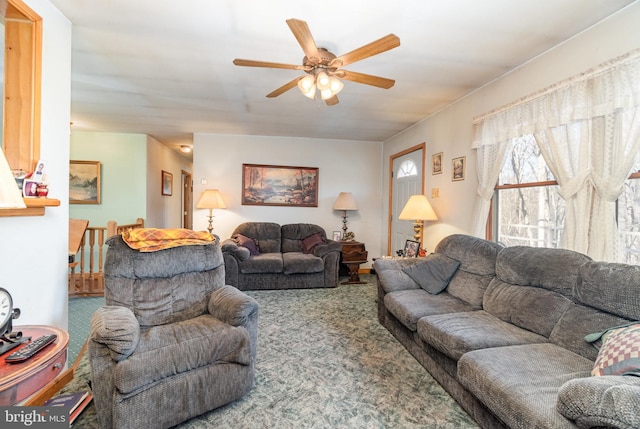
323,68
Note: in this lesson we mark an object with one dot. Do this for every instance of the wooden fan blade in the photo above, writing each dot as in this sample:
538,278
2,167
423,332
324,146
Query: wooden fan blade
367,79
386,43
251,63
301,31
284,88
332,101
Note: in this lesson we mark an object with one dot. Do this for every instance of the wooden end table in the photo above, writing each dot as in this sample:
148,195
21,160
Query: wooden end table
18,381
353,254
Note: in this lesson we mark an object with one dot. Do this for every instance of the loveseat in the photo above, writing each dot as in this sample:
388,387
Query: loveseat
505,330
265,255
173,341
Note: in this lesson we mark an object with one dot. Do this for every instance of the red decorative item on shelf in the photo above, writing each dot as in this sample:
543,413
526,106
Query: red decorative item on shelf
43,190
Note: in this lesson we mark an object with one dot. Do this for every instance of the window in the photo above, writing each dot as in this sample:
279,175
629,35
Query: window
530,212
407,168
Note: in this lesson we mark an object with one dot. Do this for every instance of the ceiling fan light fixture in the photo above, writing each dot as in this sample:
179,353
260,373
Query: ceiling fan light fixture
307,86
336,85
326,94
323,81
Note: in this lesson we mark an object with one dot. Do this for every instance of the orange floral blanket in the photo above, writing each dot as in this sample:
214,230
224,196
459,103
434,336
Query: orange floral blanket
154,239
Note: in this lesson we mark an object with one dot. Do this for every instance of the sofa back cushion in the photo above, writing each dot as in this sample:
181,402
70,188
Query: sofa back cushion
533,286
606,295
477,259
162,287
267,234
294,233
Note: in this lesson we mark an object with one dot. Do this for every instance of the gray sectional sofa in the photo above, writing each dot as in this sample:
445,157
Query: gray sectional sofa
506,335
265,255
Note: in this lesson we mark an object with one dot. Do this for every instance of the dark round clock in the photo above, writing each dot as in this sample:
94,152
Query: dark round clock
7,312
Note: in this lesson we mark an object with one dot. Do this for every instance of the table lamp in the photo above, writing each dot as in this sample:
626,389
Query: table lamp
345,202
418,209
10,196
211,199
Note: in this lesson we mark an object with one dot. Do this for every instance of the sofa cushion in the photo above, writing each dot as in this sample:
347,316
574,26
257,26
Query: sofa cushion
390,275
294,233
262,263
579,321
408,306
168,350
522,306
611,401
520,384
477,265
458,333
301,263
619,353
267,234
308,243
620,297
433,273
249,243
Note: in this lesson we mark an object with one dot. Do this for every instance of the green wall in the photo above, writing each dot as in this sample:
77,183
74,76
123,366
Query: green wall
123,159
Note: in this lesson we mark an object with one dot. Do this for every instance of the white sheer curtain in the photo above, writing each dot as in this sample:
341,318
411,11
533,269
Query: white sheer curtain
588,131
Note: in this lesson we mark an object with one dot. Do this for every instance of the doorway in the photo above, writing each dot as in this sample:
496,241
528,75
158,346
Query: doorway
187,200
406,177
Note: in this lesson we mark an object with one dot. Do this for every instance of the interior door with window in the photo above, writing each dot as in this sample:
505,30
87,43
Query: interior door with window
407,178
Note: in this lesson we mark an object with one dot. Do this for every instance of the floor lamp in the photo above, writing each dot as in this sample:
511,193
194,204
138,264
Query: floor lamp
345,202
418,209
211,199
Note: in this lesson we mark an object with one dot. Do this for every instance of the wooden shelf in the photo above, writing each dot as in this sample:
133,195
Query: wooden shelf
35,207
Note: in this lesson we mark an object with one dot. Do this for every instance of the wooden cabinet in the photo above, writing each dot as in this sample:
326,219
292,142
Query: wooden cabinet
353,254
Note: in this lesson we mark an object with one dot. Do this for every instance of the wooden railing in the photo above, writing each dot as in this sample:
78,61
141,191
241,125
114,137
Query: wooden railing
86,277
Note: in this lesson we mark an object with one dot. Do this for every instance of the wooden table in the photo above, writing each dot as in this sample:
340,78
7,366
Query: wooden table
353,254
18,381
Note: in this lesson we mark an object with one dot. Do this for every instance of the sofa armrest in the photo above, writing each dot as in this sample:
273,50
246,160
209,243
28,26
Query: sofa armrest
323,249
391,277
231,248
232,306
117,329
609,401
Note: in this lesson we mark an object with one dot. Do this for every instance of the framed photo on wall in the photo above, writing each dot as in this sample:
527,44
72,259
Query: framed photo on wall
458,166
167,183
275,185
84,182
436,163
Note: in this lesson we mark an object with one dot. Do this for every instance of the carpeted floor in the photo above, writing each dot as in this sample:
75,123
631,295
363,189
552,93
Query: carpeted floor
324,361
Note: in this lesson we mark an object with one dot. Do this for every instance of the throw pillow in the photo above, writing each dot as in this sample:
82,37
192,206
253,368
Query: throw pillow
247,242
620,352
311,241
433,273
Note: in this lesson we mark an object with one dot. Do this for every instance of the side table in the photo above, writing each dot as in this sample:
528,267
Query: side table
18,381
353,254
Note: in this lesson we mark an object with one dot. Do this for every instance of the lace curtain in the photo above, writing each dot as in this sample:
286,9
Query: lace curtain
588,129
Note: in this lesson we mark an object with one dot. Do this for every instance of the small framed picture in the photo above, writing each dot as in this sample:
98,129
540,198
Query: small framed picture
411,248
436,163
457,168
167,183
38,175
337,235
30,188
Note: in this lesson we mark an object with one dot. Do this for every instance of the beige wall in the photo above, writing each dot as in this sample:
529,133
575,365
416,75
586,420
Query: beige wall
343,166
450,130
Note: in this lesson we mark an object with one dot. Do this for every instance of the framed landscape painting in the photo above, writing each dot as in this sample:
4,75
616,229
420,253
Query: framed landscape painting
275,185
84,182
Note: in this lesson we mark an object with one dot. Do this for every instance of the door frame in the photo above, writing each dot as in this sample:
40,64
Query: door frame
187,199
392,158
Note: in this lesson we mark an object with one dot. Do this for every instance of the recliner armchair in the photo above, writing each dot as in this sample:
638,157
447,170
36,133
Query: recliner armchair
173,341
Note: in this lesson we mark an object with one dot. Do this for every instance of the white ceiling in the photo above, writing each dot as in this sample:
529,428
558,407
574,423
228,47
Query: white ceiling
165,68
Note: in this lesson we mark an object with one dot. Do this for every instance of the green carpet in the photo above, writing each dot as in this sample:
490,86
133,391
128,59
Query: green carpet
324,361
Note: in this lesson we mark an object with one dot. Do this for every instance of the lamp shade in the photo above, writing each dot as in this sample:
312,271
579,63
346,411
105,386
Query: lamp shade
345,201
10,196
418,208
211,199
